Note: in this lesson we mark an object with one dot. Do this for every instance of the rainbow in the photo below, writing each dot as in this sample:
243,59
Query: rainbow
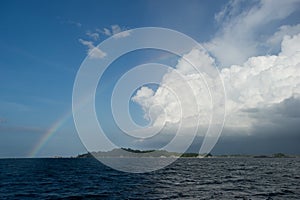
49,133
58,123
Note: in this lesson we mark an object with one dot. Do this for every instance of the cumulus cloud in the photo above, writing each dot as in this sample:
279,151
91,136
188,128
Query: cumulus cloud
261,83
288,108
242,29
93,52
275,40
182,93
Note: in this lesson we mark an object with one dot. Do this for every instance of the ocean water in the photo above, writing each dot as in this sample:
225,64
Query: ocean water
187,178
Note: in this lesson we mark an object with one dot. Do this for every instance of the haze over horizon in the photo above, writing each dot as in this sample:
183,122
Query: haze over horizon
254,45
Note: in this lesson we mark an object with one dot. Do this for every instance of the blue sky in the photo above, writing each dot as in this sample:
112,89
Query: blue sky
40,53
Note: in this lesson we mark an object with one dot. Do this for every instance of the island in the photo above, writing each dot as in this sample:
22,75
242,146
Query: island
128,152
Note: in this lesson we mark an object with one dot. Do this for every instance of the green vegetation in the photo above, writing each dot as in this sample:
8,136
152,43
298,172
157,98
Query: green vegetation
280,155
128,152
136,150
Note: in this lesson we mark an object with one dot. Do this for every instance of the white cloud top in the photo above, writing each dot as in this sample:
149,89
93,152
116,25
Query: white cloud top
260,83
242,33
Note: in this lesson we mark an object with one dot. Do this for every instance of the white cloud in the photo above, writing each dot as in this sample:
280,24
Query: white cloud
259,83
275,40
116,31
93,52
79,25
231,9
177,92
240,34
94,36
106,32
262,82
71,22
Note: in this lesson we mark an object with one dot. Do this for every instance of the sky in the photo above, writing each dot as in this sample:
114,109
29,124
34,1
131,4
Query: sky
253,44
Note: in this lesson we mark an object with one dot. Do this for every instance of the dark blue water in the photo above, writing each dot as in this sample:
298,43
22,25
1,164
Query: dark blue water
212,178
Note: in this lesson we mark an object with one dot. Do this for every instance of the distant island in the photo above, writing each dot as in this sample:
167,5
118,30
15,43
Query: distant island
128,152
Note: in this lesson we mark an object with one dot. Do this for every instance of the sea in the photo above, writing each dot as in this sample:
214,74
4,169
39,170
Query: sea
187,178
